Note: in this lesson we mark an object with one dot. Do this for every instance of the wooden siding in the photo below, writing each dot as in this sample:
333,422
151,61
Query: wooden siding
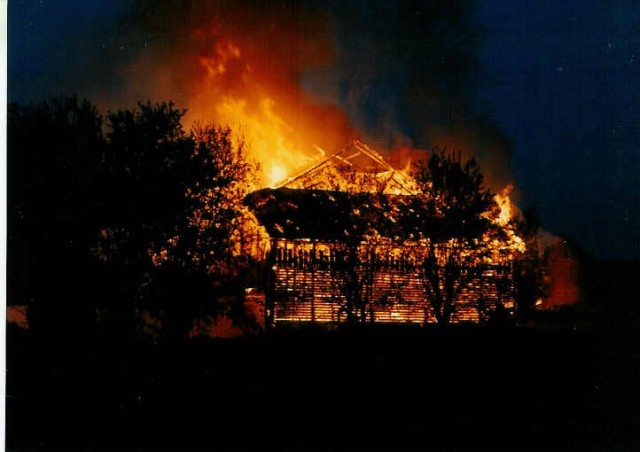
307,288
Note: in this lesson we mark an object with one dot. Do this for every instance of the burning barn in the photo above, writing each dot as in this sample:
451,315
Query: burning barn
340,251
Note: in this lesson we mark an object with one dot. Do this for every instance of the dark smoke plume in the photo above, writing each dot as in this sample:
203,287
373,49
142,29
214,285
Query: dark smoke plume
405,73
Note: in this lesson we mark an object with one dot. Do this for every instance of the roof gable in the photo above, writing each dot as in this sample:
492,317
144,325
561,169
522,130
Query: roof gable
355,168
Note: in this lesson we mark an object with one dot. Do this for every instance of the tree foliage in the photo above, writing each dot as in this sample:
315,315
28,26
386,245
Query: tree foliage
454,201
144,178
53,155
100,221
207,234
355,251
530,267
206,242
452,228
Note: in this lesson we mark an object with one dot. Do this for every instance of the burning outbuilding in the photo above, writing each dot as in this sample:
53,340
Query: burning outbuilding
349,242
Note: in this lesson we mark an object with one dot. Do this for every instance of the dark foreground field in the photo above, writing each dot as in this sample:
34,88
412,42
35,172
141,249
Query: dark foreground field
573,388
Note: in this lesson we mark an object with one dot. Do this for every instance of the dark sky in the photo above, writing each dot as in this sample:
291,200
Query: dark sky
564,84
550,88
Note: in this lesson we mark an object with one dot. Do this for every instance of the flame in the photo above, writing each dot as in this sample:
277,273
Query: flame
504,203
216,64
277,174
268,136
229,95
505,217
252,85
247,75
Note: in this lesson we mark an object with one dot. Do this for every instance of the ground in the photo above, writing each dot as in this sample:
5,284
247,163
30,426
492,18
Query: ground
572,387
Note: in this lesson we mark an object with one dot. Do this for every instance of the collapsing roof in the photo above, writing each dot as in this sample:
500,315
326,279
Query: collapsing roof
355,168
347,194
321,214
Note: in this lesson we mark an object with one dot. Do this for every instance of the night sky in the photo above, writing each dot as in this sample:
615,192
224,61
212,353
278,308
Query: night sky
564,84
554,85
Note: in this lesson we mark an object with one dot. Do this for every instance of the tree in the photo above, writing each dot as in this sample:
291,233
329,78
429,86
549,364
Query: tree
530,267
364,209
209,236
140,191
147,164
102,224
355,254
451,225
174,213
208,242
54,149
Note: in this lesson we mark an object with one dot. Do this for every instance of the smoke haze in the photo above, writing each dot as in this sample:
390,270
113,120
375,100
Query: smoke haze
394,74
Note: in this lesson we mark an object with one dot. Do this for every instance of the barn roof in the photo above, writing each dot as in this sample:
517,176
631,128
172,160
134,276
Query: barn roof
321,214
346,194
355,167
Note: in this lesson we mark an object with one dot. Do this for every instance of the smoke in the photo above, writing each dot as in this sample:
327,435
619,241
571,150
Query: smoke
408,74
396,74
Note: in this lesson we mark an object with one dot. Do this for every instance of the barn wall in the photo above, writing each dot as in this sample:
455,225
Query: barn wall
307,288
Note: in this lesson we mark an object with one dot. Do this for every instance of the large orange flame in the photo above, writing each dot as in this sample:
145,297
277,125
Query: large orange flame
243,83
247,74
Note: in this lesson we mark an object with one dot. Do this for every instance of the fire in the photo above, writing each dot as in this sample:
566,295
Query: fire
252,85
216,64
504,202
505,217
269,138
277,174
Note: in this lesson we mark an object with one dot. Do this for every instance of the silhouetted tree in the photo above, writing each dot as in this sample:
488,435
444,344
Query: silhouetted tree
173,212
141,185
364,207
207,242
451,224
530,267
146,174
54,149
102,224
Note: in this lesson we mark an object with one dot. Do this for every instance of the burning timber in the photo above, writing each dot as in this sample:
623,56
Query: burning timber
338,251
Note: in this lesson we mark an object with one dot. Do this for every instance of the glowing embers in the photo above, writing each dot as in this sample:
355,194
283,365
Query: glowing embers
504,219
347,243
308,287
353,169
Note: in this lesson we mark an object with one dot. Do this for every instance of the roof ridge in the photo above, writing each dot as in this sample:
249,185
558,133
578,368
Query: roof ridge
396,176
